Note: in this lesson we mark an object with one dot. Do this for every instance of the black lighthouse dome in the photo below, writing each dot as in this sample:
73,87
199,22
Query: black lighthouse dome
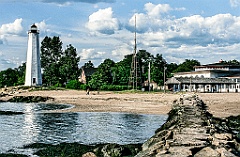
34,29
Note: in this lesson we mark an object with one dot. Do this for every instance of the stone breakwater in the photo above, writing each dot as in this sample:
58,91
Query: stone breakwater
192,131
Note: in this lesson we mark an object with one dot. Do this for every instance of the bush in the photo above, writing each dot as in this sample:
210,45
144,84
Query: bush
73,84
83,86
114,87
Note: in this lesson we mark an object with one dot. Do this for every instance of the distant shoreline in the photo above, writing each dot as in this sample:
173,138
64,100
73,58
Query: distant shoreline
220,104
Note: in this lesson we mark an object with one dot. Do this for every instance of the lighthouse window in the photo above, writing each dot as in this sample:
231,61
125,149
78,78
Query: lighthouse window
34,80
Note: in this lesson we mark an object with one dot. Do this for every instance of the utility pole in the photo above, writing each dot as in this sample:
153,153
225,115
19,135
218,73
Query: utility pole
135,51
149,72
133,73
164,78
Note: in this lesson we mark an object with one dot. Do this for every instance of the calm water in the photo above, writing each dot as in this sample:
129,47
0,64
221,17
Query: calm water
39,125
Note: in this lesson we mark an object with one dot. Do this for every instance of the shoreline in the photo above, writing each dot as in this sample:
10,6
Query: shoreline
219,104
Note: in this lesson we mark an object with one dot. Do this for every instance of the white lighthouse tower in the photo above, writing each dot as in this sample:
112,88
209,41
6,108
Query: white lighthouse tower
33,75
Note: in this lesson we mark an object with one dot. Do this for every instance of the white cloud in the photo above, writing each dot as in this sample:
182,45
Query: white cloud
88,54
180,9
48,30
42,25
96,57
103,22
192,30
235,3
157,10
14,28
122,50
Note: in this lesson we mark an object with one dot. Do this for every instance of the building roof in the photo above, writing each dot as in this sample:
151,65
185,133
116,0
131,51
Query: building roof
188,80
218,65
226,73
89,71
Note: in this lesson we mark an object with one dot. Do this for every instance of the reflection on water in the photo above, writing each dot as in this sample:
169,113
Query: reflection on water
86,128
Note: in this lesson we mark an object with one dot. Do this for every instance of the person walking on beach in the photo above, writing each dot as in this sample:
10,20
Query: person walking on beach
88,90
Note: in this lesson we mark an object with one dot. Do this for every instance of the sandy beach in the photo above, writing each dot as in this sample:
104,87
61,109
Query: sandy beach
220,104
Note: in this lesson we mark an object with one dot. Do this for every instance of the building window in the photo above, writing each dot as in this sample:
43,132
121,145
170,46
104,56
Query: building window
222,86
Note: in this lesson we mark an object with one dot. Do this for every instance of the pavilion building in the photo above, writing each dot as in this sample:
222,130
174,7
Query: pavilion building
217,77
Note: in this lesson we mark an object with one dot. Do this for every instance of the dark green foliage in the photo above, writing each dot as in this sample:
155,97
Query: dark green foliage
68,65
103,75
114,87
13,77
73,84
231,62
121,71
187,65
88,64
51,52
83,86
170,68
58,66
143,58
157,69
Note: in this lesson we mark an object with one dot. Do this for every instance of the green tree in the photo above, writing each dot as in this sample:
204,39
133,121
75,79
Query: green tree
8,77
121,71
143,58
58,66
88,64
68,65
187,65
103,75
157,69
51,52
21,74
233,62
171,67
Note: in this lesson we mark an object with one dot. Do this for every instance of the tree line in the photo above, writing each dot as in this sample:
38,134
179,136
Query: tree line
60,68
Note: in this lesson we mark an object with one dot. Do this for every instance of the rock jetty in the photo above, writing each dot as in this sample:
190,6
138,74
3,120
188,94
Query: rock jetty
30,99
192,131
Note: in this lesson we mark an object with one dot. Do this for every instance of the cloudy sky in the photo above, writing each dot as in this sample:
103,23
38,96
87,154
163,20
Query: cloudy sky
205,30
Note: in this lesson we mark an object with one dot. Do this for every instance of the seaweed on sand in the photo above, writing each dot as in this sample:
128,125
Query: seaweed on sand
10,113
76,149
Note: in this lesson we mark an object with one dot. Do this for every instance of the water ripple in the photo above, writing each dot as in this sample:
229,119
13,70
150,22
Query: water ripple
36,126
